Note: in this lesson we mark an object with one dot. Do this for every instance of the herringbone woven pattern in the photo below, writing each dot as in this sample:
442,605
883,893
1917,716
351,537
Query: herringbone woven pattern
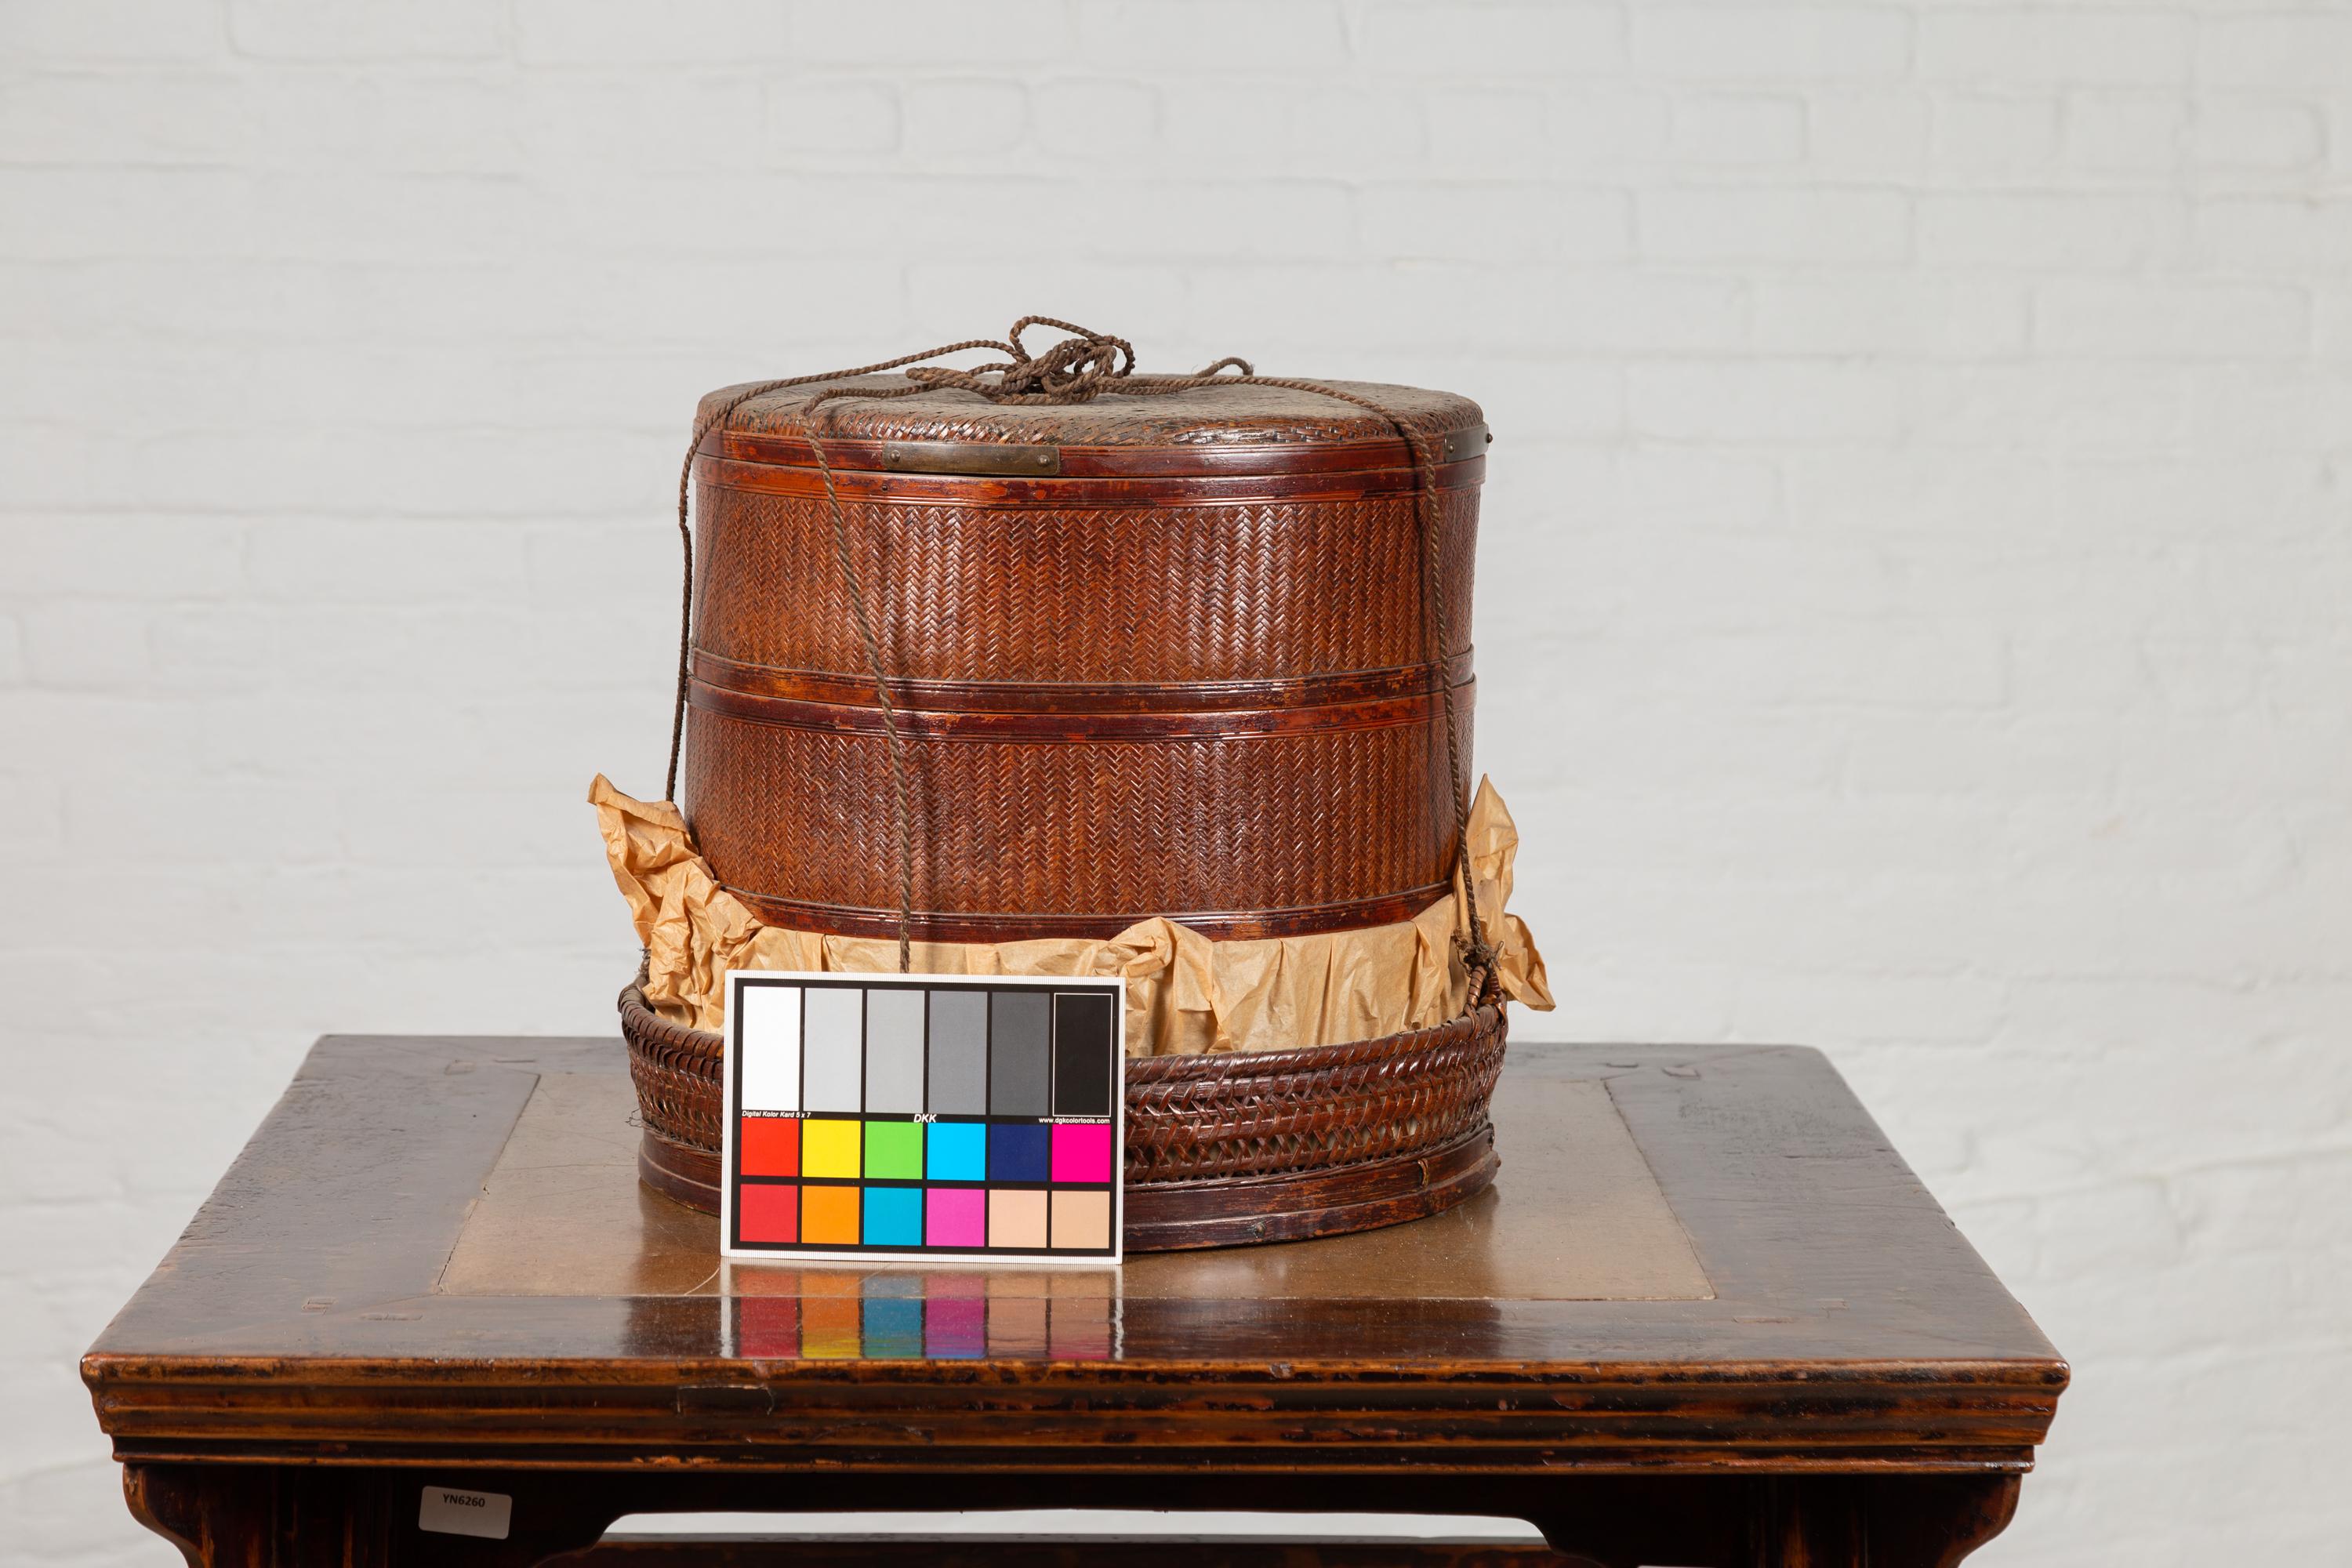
1279,1112
1176,594
1118,829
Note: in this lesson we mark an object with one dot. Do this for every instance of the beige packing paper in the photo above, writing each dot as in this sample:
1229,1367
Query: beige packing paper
1185,994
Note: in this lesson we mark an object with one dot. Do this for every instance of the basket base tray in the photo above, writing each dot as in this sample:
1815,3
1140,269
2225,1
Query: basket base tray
1172,1217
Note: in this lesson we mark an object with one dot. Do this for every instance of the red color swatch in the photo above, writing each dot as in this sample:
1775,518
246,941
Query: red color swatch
766,1212
770,1145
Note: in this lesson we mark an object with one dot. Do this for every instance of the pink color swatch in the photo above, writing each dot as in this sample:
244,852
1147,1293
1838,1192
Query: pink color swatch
955,1216
1082,1151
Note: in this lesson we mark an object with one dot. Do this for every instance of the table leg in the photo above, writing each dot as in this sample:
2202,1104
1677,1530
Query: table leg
1882,1521
273,1516
1776,1522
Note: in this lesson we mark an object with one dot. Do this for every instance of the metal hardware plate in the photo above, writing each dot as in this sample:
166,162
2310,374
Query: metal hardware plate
970,457
1462,445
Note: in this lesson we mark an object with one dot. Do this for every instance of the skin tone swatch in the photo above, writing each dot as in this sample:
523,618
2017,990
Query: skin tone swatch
929,1118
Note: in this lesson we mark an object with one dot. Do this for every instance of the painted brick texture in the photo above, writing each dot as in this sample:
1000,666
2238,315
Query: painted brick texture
1913,617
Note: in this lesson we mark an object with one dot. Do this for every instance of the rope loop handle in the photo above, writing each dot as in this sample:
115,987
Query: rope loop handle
1073,371
1082,365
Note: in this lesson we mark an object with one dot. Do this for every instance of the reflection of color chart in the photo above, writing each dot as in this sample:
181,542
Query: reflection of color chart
934,1117
935,1317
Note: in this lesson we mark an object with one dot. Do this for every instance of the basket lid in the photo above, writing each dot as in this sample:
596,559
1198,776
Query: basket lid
1222,429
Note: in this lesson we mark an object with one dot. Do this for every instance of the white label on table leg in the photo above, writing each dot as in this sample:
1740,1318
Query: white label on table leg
447,1512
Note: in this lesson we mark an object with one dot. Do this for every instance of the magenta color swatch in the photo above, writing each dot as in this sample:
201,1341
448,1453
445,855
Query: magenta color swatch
1082,1151
955,1216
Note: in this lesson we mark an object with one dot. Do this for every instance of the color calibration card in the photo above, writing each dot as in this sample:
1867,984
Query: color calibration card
934,1119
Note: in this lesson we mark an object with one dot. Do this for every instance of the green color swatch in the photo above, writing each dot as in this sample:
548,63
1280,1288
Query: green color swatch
894,1150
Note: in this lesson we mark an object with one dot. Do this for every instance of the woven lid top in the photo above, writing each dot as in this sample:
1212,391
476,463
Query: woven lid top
1212,417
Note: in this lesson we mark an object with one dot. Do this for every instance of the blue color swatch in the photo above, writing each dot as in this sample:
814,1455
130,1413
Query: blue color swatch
1017,1152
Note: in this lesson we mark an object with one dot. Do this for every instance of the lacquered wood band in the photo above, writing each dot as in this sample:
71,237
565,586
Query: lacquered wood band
1344,686
1076,461
965,489
1066,727
1017,925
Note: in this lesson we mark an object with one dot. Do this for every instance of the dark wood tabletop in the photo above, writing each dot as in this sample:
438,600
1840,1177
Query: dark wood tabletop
1708,1315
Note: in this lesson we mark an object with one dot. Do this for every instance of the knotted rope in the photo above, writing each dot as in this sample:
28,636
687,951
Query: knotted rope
1082,366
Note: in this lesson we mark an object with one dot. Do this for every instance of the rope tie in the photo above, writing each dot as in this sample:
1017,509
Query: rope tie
1080,367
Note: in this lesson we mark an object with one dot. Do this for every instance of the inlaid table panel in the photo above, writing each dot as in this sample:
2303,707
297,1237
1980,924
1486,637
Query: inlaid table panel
1706,1312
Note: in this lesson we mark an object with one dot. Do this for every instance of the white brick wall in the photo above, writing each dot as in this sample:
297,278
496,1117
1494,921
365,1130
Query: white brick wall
1918,550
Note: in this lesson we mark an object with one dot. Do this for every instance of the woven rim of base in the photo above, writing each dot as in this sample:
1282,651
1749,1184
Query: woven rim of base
1189,1118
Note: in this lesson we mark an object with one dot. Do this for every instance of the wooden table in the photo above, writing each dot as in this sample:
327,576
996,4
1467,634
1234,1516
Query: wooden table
1706,1316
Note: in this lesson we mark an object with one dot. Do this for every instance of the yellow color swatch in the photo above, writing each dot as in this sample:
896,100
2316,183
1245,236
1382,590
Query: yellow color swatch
829,1148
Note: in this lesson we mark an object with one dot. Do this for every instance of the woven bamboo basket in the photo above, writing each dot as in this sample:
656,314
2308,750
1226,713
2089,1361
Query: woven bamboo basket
1192,654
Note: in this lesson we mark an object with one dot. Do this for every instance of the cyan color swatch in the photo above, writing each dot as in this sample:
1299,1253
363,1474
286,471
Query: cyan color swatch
956,1151
894,1216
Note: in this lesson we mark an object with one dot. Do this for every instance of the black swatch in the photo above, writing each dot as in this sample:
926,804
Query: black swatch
1082,1064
